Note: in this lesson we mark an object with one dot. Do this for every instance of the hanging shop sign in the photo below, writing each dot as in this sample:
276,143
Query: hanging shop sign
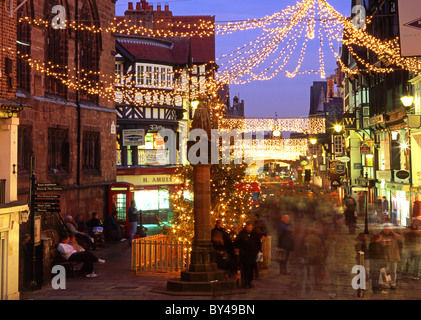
133,137
350,121
339,168
384,175
365,149
376,120
402,174
409,27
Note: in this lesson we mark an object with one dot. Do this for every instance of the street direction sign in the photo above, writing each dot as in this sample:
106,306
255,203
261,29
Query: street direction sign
49,188
47,196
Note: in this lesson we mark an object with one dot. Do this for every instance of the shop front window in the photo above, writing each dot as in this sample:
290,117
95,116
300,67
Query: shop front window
153,153
154,204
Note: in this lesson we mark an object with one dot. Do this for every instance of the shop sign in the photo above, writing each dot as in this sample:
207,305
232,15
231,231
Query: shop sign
365,149
133,137
349,121
376,120
340,168
402,174
384,175
358,166
397,187
152,180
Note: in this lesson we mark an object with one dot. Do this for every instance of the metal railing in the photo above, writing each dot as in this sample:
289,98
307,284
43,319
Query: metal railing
159,253
2,191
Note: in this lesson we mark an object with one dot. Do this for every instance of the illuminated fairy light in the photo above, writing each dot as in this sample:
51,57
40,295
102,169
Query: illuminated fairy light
300,125
283,32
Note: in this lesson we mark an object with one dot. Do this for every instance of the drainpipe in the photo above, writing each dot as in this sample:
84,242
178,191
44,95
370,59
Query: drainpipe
77,94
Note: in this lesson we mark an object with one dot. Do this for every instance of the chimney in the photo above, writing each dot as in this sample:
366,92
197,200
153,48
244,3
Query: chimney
138,6
130,5
167,7
158,7
151,7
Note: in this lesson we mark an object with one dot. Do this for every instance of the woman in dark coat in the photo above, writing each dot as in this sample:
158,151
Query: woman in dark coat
248,245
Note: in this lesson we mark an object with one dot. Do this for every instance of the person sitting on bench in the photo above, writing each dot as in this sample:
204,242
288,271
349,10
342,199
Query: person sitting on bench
82,237
70,253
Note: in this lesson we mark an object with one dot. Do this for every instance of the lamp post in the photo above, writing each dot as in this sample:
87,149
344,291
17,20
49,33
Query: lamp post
407,101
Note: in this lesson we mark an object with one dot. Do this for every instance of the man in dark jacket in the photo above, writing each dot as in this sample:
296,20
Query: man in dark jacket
285,242
248,245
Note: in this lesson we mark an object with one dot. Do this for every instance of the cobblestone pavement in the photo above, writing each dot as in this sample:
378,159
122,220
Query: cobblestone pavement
116,281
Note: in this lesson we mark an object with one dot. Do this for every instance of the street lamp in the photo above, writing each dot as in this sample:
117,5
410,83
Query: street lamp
338,128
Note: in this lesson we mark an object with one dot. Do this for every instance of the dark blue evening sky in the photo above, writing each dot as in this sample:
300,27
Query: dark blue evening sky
287,97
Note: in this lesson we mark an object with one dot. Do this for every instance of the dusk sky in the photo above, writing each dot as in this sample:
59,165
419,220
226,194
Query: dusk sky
284,96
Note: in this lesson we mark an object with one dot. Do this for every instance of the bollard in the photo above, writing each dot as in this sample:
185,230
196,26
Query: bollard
360,291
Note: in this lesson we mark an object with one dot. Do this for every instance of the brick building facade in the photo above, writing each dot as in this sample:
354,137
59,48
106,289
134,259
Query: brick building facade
69,130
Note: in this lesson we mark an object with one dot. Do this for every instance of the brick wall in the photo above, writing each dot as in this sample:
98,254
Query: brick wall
49,111
8,48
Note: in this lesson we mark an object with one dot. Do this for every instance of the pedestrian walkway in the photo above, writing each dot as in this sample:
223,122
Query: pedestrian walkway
116,281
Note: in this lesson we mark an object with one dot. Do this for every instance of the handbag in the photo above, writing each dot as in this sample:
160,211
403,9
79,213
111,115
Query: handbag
280,255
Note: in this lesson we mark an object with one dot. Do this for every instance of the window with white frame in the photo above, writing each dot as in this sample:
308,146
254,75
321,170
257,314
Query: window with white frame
155,76
119,72
338,144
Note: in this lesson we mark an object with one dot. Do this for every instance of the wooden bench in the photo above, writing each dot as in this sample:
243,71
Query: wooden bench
68,265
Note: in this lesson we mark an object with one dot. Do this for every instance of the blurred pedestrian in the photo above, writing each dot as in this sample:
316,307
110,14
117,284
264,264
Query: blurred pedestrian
285,242
248,245
351,214
112,228
392,242
413,251
133,220
261,229
377,256
360,244
309,253
224,248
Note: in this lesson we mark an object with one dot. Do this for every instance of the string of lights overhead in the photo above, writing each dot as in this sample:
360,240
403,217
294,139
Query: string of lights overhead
262,59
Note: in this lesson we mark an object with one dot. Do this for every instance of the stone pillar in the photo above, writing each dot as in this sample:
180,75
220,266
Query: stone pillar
202,250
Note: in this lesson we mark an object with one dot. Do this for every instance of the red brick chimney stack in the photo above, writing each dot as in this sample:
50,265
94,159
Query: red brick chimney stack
130,5
167,7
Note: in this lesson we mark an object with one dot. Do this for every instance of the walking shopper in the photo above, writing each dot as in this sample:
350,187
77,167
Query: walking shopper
413,251
133,220
285,242
248,245
392,242
376,252
74,253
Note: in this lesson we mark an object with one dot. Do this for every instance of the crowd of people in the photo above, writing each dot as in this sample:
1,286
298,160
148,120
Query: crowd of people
319,234
243,253
84,237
